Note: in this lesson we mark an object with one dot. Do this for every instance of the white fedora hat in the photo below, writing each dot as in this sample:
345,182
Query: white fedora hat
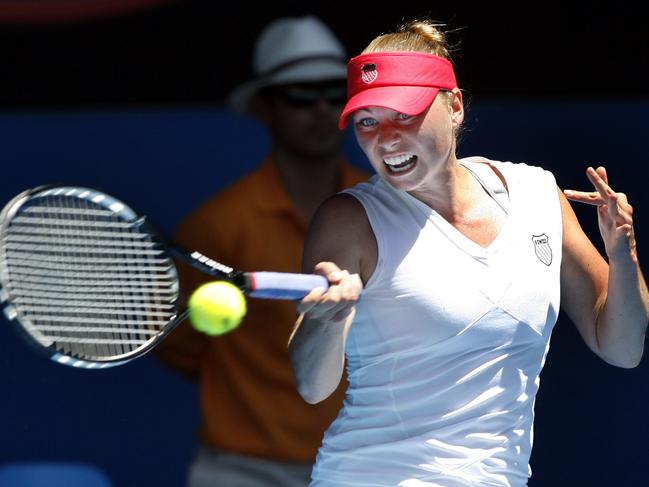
291,50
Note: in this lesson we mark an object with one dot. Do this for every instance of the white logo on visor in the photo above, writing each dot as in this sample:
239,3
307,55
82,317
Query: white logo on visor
369,73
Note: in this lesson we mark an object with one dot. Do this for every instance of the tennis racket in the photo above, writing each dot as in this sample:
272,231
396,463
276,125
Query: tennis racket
91,284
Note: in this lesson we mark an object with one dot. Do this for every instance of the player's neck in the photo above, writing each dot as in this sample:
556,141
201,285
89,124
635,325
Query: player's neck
308,182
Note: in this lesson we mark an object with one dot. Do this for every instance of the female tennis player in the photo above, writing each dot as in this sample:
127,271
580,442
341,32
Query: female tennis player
462,264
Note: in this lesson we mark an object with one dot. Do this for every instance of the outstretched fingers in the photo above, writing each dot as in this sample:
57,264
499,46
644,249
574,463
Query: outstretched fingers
615,214
601,195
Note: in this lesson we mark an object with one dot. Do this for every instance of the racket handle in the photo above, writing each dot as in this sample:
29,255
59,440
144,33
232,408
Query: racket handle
284,285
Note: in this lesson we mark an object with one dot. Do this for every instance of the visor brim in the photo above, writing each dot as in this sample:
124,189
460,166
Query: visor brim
411,100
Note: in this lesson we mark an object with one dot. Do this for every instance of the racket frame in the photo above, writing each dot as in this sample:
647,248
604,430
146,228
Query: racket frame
273,285
127,214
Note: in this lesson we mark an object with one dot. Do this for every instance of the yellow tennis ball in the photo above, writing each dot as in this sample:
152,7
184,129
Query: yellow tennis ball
216,308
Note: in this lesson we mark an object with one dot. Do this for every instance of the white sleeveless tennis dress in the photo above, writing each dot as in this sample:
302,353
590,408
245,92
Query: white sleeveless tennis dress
449,339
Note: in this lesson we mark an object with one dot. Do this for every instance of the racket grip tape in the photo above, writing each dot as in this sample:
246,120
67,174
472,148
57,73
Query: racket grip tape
284,285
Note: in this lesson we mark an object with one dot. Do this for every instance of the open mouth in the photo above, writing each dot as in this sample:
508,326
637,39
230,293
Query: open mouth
400,163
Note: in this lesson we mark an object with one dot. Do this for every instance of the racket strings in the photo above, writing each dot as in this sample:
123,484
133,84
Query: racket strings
88,280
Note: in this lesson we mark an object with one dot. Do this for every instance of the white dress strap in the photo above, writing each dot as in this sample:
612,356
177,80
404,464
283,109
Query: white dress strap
493,185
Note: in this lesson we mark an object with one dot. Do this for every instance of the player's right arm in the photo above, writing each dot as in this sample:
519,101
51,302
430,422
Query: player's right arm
341,246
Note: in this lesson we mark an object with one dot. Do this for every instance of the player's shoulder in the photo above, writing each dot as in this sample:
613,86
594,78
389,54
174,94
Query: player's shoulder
342,208
520,166
339,232
340,217
513,170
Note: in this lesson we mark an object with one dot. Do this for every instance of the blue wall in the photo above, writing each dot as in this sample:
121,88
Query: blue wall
137,422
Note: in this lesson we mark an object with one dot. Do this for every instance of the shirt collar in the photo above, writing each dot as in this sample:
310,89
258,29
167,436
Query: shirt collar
270,195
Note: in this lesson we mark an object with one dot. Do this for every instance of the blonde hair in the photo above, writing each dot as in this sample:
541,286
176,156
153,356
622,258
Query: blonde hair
417,35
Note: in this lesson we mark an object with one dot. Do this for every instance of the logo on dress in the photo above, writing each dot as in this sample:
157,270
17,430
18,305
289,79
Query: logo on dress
542,248
369,73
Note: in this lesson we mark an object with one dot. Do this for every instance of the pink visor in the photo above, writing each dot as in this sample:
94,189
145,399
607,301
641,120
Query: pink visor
403,81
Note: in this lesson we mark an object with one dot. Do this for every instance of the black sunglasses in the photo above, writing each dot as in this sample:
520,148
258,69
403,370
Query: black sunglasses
304,96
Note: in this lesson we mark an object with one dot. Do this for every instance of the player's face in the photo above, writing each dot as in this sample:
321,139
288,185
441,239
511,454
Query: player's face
408,151
303,118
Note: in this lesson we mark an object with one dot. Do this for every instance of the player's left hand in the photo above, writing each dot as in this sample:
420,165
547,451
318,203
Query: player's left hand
615,214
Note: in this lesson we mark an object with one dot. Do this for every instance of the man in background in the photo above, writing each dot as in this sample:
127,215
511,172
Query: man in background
256,430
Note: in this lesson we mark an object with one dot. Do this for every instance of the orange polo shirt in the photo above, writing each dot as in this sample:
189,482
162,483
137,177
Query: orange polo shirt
249,401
